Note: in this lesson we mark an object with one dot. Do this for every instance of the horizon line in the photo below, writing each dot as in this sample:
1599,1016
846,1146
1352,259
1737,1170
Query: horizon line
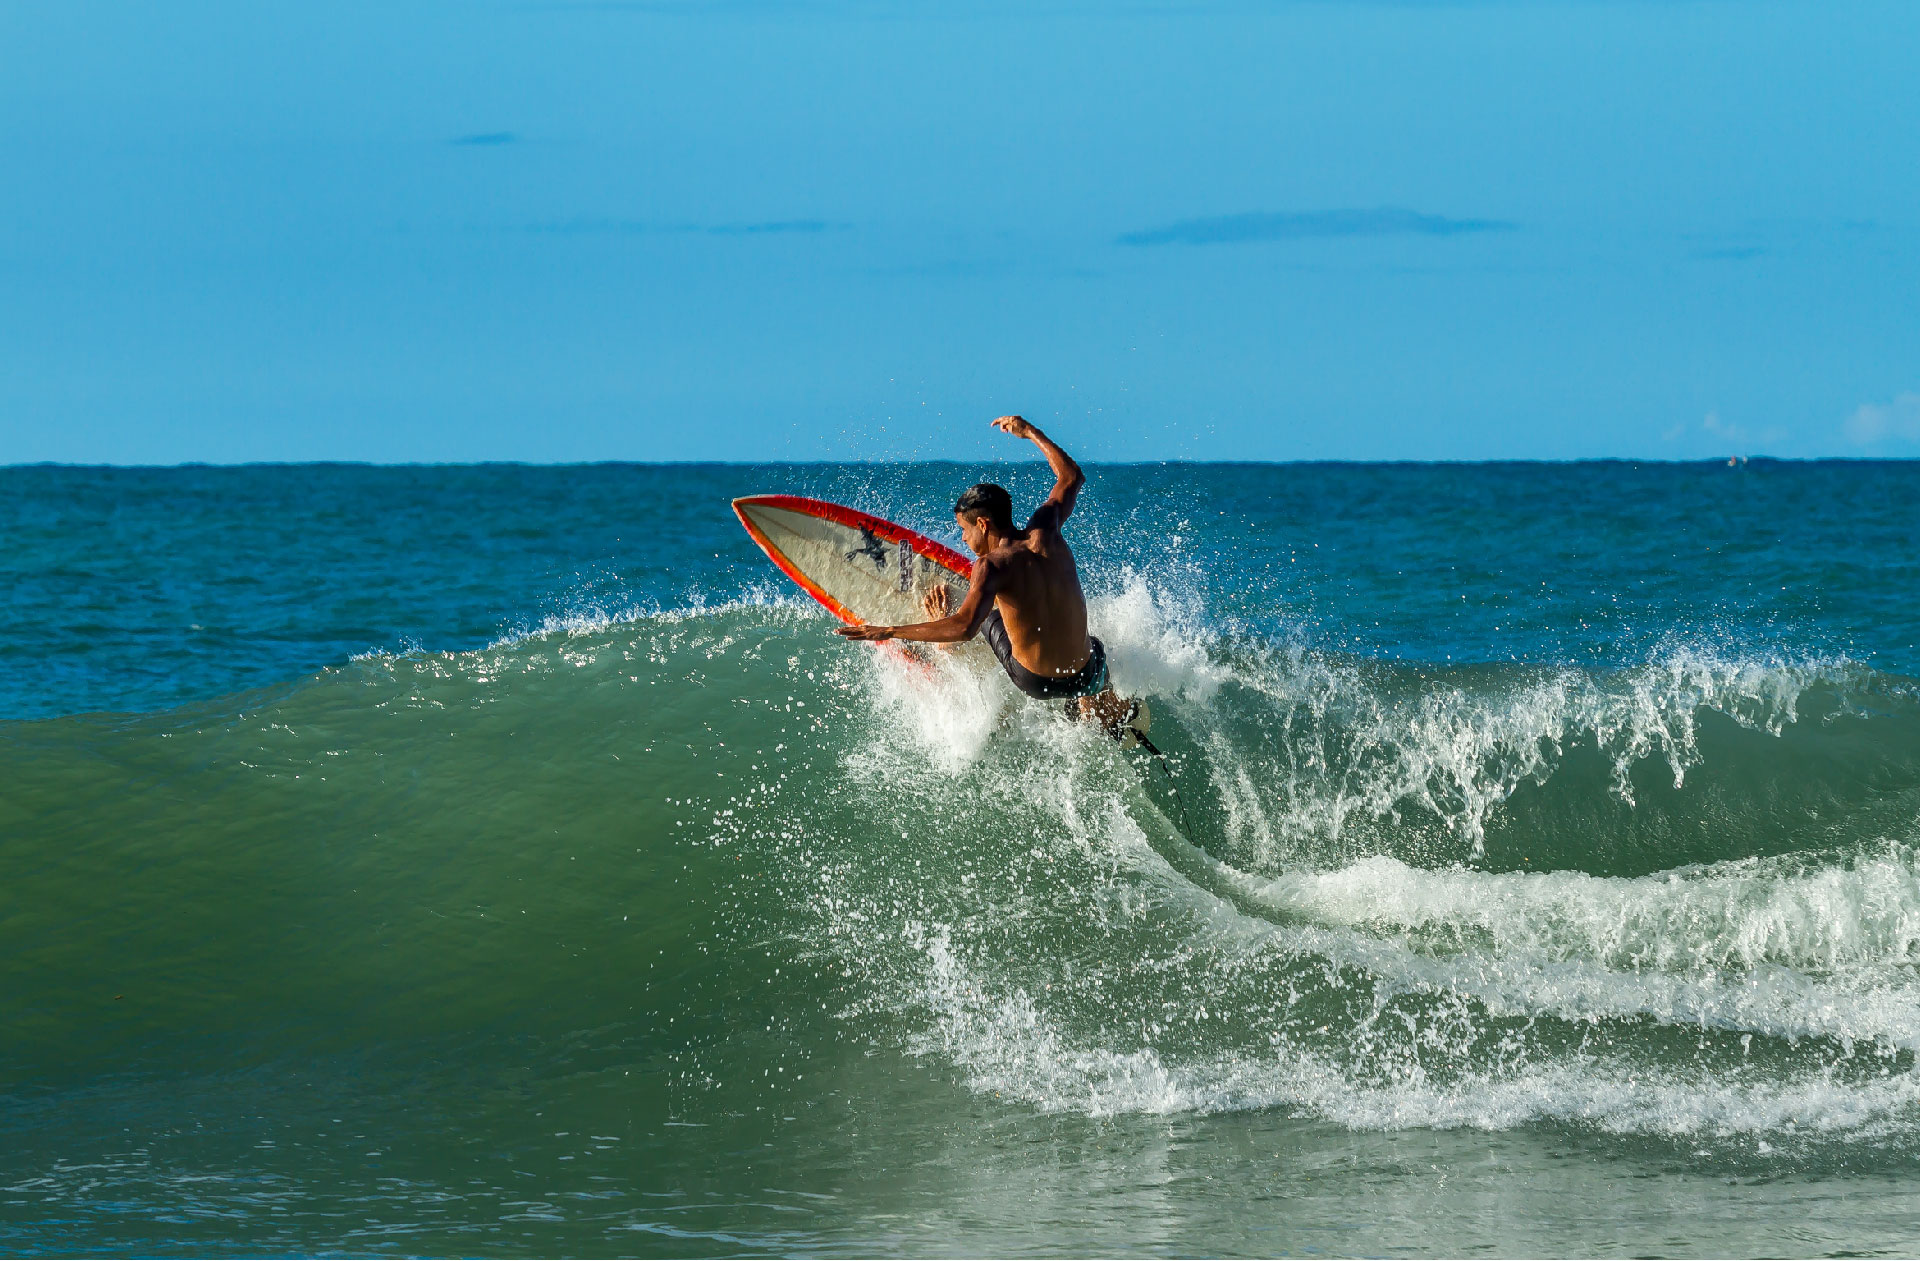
1719,460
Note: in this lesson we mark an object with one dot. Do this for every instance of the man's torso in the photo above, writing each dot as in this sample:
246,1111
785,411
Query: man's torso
1039,598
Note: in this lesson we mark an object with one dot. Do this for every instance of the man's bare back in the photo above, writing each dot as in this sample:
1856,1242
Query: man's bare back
1036,587
1025,592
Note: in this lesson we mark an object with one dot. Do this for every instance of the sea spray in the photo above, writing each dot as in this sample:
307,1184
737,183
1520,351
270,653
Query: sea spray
1049,948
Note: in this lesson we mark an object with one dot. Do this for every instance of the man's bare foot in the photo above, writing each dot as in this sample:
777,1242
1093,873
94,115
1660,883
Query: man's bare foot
1108,709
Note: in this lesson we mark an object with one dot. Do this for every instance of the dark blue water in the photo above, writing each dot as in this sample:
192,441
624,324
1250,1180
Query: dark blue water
507,860
137,588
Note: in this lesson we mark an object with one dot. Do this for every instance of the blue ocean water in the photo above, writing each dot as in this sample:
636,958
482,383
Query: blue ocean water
507,859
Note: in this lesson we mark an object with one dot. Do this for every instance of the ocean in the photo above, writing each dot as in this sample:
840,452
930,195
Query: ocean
507,860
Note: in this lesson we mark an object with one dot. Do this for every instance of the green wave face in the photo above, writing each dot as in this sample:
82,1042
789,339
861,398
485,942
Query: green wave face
406,847
714,893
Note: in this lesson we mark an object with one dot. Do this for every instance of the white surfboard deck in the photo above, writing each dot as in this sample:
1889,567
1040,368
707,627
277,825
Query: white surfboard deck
863,569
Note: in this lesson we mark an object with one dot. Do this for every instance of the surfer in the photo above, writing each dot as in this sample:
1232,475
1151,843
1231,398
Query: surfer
1025,595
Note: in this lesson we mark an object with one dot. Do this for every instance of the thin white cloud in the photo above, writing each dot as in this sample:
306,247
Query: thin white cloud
1722,429
1726,437
1238,229
1874,423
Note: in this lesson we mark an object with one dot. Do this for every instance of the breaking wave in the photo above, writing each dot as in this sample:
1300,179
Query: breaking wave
1679,900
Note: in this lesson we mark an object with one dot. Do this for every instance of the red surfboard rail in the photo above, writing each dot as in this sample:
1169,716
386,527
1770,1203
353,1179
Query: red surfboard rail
890,532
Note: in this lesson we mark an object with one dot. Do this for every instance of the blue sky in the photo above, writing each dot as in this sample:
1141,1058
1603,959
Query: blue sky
584,231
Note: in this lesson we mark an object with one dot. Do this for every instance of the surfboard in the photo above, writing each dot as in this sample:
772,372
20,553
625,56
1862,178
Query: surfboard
864,569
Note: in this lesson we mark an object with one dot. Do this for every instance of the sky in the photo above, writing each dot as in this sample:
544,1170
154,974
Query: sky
560,231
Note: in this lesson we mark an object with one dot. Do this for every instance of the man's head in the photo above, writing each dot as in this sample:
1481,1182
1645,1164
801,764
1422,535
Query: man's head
984,512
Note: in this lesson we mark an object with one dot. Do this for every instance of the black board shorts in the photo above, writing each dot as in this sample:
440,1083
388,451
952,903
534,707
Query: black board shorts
1089,680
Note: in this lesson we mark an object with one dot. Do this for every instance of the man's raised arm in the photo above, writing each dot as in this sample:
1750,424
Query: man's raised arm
1067,477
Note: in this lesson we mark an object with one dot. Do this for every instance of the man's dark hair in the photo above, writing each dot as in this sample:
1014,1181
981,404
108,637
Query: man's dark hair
989,501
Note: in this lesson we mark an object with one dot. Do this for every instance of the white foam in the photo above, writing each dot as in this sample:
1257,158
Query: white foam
1469,998
948,703
1157,643
1818,918
596,619
1330,743
1007,1045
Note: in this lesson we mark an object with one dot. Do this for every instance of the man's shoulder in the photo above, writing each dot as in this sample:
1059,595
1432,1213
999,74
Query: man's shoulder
1019,552
1005,560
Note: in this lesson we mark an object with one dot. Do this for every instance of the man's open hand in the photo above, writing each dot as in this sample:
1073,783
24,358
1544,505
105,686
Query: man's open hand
1018,426
874,633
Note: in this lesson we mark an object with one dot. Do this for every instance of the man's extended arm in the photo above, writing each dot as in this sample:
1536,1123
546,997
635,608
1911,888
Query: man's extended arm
962,624
1067,477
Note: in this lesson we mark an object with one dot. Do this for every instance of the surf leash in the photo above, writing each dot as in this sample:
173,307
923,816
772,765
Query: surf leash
1166,769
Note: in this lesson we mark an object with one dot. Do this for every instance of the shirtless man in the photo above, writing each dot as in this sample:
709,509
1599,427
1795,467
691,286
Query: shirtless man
1025,594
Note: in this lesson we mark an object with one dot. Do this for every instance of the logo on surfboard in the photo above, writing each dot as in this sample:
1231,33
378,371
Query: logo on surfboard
872,548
